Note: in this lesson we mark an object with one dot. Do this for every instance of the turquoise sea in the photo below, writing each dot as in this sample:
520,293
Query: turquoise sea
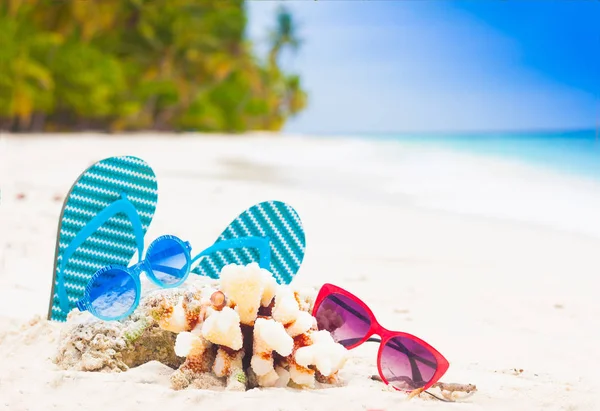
574,152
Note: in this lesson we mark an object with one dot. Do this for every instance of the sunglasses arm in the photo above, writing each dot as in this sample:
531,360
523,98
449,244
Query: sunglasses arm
82,305
262,244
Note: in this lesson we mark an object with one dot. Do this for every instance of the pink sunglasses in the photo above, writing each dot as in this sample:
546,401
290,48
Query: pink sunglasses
404,361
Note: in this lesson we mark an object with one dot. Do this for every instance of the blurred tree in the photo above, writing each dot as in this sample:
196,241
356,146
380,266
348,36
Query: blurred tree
141,64
284,34
285,96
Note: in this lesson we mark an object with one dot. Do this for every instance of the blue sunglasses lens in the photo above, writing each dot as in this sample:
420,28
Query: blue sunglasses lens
112,293
168,261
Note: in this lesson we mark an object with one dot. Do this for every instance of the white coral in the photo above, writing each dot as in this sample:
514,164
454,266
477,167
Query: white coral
286,348
286,308
269,379
287,311
284,377
183,343
270,287
325,354
228,363
223,328
245,285
302,376
301,324
269,336
175,321
306,297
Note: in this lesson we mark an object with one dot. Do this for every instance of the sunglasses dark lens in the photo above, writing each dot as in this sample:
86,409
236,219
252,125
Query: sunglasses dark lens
112,293
168,261
406,364
346,320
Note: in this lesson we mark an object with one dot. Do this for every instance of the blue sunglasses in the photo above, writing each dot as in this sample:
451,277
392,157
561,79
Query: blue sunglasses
114,292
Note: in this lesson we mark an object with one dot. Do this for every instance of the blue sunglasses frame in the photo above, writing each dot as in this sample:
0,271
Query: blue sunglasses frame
123,205
262,244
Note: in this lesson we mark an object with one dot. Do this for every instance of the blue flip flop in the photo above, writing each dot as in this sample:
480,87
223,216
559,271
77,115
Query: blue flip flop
103,221
269,233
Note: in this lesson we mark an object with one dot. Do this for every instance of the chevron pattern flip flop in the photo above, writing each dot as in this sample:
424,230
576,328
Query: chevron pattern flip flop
273,219
114,241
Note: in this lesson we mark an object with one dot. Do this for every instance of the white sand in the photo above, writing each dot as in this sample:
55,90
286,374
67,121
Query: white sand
493,263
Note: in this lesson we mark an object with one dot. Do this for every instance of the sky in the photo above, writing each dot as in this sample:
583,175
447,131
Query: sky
445,65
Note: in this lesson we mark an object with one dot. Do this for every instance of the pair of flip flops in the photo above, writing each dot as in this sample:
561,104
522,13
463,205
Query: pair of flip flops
106,215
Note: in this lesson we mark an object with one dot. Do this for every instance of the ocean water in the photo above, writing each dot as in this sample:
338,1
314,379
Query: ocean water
549,179
566,198
573,152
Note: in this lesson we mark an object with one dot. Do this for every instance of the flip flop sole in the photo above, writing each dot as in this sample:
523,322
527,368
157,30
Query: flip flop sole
112,243
274,219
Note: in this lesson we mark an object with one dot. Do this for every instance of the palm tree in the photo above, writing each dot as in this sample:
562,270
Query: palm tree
284,95
284,34
138,64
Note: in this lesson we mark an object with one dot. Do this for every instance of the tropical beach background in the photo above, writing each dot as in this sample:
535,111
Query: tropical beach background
444,158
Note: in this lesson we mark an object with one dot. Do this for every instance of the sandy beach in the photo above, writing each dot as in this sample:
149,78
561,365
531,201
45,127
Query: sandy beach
492,262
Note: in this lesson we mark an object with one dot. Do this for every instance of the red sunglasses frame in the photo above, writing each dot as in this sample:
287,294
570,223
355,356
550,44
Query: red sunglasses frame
385,335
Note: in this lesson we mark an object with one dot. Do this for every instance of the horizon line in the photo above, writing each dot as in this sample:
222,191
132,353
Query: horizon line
446,132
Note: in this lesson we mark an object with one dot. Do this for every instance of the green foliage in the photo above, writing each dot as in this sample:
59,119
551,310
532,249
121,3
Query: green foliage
135,330
141,64
241,377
